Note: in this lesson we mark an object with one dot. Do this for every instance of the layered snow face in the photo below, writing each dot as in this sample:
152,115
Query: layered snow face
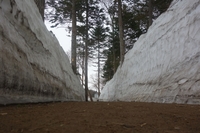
164,64
33,66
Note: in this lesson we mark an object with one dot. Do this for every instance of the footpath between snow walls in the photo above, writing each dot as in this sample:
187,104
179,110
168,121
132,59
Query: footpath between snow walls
164,64
33,66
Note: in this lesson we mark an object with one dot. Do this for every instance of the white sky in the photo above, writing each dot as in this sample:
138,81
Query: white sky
65,41
61,35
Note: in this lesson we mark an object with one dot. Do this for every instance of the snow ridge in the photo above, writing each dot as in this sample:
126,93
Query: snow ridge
33,66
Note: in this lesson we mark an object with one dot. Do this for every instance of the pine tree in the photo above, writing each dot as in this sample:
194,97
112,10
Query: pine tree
136,19
87,27
66,11
86,50
98,35
112,50
112,54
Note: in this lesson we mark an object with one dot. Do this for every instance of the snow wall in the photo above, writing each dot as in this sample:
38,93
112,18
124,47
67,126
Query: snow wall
164,64
33,66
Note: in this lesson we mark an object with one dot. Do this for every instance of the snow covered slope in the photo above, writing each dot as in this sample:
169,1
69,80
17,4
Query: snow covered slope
164,64
33,66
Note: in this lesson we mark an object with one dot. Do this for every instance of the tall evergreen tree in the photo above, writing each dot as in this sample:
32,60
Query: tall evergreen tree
98,35
136,19
65,11
112,54
86,50
111,10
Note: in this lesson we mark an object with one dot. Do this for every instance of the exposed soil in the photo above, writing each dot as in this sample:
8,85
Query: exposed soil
100,117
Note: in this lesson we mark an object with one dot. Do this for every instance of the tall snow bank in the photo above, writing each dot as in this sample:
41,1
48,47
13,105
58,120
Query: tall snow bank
33,66
164,64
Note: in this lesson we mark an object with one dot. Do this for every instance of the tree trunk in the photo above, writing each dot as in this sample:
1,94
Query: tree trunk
90,96
121,32
113,28
73,46
150,12
86,53
83,67
98,69
113,49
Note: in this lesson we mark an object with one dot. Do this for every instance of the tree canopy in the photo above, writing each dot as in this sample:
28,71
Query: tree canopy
98,30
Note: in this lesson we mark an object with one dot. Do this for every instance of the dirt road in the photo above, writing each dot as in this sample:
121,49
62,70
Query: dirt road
100,117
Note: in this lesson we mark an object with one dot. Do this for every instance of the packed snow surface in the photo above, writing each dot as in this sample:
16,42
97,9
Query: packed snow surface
164,64
33,66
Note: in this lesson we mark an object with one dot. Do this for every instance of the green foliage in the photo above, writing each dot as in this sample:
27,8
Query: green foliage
135,16
103,36
135,19
60,11
98,32
112,55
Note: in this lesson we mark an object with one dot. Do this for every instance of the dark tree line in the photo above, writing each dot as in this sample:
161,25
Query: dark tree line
103,31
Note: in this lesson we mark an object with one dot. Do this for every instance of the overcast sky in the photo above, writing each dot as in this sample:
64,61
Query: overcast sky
61,35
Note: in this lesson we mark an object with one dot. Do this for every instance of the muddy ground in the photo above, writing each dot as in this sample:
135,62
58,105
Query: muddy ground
100,117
